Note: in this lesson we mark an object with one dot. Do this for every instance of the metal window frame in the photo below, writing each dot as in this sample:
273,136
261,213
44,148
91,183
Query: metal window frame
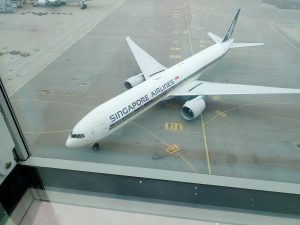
21,147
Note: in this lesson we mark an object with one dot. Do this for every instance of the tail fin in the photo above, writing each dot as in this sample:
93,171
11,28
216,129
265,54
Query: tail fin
231,27
229,32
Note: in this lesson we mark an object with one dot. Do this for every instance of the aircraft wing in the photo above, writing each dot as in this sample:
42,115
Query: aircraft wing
148,65
210,88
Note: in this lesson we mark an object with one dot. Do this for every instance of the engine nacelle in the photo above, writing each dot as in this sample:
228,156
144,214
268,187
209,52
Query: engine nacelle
42,2
134,80
193,108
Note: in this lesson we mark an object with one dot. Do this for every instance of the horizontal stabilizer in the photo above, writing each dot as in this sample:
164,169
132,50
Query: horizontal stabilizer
216,38
204,88
242,45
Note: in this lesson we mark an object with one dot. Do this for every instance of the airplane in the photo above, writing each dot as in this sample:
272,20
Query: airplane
157,83
82,3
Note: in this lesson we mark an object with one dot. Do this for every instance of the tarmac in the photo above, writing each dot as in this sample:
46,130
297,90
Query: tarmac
79,59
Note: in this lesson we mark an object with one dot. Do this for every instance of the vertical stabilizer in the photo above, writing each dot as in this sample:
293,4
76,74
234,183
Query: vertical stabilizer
231,27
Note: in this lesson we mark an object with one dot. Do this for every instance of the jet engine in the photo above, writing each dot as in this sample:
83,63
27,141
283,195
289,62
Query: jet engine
134,80
42,2
193,108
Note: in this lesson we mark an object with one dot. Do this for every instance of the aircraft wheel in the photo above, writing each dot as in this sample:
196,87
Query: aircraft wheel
96,147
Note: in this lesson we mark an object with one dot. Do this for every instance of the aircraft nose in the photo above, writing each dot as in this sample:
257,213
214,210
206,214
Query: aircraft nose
70,143
75,142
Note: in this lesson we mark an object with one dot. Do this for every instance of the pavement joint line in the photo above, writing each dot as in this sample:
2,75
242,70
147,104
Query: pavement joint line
187,27
202,123
89,96
46,132
54,102
204,41
283,37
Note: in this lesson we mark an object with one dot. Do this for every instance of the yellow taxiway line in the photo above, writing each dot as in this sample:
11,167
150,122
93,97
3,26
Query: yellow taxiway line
202,123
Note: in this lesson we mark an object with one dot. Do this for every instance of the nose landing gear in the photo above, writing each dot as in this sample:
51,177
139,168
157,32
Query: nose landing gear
96,146
83,4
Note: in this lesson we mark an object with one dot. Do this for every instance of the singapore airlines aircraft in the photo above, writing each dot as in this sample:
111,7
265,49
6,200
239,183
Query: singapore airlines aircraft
157,83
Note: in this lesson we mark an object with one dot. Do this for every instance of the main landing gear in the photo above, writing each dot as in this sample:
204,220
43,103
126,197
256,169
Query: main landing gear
96,146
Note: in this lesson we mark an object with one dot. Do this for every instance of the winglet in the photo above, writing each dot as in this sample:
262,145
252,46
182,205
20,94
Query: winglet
231,27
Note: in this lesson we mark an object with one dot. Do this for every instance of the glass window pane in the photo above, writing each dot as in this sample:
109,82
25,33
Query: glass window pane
60,63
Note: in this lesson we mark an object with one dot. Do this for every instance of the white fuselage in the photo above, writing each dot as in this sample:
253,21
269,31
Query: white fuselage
113,114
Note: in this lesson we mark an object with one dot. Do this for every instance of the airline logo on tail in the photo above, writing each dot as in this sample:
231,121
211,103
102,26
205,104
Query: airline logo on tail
231,28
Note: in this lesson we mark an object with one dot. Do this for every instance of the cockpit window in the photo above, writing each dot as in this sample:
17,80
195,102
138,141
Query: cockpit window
77,135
